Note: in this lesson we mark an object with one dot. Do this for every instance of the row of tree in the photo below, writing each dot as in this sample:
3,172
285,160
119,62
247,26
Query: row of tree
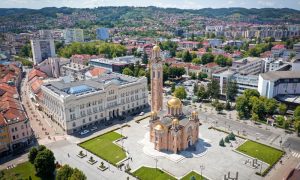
221,60
44,162
110,50
251,104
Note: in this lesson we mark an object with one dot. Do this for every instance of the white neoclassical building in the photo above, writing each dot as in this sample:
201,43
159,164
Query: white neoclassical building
76,105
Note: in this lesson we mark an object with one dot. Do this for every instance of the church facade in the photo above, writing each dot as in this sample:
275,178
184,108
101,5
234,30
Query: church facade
173,128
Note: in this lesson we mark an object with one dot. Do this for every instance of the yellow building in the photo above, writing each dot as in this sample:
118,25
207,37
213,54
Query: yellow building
4,135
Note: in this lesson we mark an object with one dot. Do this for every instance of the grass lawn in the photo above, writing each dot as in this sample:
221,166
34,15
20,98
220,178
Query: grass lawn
262,152
104,147
193,173
146,173
21,171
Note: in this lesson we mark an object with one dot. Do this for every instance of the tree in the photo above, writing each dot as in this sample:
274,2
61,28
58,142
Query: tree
258,107
207,58
219,107
297,126
180,92
32,155
231,136
255,117
251,92
193,178
127,71
196,88
282,108
227,139
145,58
286,124
44,163
242,106
196,61
64,172
142,72
221,143
202,94
173,87
186,56
297,113
280,120
77,175
213,89
231,90
223,61
270,106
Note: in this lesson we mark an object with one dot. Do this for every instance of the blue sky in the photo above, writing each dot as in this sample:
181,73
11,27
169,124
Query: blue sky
185,4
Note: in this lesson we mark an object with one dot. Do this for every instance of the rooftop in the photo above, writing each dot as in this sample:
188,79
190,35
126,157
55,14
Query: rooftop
275,75
82,87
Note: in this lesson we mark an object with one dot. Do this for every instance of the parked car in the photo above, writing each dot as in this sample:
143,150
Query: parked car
142,114
84,132
107,123
94,128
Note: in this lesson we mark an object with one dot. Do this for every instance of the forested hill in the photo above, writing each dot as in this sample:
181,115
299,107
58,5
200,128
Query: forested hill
112,16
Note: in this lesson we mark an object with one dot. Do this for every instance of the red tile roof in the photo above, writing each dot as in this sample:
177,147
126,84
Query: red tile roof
278,46
210,65
36,85
2,120
36,72
97,71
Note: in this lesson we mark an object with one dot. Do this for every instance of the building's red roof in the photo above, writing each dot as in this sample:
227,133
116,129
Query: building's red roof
278,46
7,88
36,85
189,42
97,71
36,72
2,120
210,65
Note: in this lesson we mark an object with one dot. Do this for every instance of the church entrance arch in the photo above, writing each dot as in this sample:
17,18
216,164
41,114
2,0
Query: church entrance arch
190,141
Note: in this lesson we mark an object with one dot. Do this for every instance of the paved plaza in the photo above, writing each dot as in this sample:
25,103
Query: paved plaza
217,161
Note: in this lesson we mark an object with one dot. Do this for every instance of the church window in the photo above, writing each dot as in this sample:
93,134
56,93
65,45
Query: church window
153,74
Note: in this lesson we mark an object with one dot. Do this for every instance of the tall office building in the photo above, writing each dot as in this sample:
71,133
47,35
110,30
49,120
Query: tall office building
73,35
102,33
42,49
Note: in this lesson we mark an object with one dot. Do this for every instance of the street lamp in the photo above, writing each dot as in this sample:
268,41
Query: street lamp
156,160
202,167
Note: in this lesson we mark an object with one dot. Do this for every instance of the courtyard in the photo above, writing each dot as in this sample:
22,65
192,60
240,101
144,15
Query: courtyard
214,162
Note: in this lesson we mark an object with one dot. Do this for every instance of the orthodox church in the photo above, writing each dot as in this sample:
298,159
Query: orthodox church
174,128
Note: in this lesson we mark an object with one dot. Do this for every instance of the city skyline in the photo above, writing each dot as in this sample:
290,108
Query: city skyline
185,4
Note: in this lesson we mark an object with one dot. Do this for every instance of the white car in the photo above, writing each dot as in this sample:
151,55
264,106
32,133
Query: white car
142,113
94,128
84,132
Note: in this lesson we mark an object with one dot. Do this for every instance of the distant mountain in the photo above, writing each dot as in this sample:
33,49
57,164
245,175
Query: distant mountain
122,16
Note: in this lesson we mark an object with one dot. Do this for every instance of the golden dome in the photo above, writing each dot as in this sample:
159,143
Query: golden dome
194,113
156,48
174,102
153,113
175,121
159,127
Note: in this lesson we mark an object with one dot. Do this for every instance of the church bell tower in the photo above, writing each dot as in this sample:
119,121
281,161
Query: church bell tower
156,68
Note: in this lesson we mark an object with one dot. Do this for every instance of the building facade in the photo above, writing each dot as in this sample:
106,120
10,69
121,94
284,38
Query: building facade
248,66
272,84
76,105
174,129
73,35
171,129
102,34
156,74
42,49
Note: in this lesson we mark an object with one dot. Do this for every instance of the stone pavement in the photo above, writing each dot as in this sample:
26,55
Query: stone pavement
217,160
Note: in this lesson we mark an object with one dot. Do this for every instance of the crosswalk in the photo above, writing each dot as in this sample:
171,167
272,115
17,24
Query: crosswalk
296,155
